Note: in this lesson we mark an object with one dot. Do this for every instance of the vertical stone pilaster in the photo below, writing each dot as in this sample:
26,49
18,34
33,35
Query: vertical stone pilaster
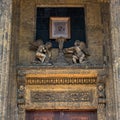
5,40
101,112
115,37
12,111
105,14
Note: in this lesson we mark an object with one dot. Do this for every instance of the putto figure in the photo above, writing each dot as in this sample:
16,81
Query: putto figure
43,51
79,52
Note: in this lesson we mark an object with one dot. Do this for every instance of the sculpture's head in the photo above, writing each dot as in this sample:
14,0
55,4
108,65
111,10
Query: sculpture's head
77,42
48,45
39,42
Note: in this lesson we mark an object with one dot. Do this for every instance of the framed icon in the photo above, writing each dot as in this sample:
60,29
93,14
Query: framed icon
59,27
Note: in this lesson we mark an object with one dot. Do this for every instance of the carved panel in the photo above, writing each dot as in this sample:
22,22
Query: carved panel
21,95
73,96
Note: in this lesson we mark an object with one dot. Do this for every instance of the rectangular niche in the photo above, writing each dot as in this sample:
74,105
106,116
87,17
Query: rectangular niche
77,23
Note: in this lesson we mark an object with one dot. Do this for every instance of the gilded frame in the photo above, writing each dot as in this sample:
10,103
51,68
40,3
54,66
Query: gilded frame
60,27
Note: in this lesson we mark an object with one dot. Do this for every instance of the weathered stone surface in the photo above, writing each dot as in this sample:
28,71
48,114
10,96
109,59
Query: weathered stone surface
115,36
93,25
5,39
98,41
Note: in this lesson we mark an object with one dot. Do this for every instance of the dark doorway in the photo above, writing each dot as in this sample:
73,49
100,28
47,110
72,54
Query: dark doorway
77,23
57,115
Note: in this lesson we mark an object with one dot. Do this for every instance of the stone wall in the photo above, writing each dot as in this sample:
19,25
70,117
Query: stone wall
24,33
5,39
115,36
94,32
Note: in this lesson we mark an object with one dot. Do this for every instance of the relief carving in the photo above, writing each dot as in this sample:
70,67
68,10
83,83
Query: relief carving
101,93
60,81
43,52
69,2
73,96
21,78
21,95
101,87
101,96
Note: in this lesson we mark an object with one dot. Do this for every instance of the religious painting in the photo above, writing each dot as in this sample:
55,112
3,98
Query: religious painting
59,27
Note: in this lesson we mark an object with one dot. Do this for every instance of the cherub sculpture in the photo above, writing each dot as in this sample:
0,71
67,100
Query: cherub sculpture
79,52
43,51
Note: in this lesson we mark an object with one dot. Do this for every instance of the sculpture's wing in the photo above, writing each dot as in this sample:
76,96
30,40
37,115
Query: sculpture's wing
69,50
34,45
84,48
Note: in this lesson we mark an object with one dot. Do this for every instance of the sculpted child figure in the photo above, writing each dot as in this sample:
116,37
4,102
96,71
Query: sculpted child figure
43,51
78,51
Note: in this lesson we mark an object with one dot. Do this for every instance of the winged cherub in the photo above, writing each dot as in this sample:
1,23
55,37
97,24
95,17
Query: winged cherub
43,51
79,52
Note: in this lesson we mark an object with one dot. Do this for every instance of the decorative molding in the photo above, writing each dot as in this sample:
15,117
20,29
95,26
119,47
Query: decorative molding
21,78
101,95
60,81
62,96
21,102
101,87
63,75
69,2
49,79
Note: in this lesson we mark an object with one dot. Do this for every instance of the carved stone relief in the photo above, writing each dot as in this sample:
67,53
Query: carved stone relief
79,53
71,96
60,81
21,89
101,96
21,95
21,102
101,93
43,52
38,96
